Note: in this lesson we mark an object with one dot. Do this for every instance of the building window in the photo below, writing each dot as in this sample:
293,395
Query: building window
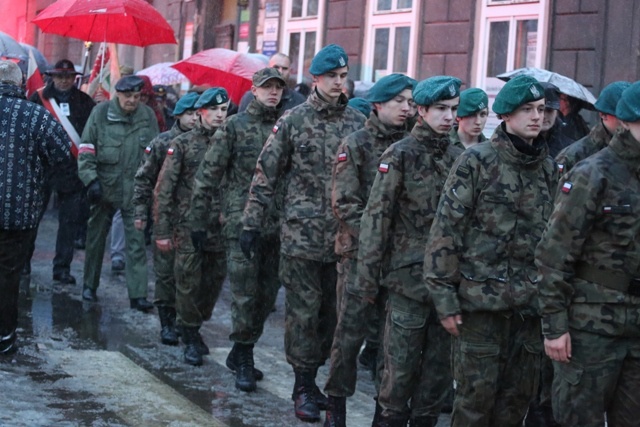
301,36
393,5
301,59
304,8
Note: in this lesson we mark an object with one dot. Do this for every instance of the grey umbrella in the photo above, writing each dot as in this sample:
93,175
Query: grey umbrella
43,64
9,48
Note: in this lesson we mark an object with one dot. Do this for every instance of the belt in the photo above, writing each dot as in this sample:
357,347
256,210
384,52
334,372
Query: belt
610,279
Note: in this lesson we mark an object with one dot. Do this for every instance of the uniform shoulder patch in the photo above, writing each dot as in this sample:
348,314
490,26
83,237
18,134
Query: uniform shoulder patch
170,151
566,187
275,128
463,171
342,157
560,168
147,150
384,167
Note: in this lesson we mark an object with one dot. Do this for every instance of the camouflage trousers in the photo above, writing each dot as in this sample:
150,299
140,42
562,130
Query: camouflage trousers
310,317
254,287
603,376
199,278
496,365
163,264
417,357
354,317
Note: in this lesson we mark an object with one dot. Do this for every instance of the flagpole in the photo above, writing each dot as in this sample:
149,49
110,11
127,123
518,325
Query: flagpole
85,61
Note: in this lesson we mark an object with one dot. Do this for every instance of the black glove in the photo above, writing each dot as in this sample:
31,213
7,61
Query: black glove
94,192
198,238
248,242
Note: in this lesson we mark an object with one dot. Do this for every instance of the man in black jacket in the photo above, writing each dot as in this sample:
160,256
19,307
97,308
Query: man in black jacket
32,143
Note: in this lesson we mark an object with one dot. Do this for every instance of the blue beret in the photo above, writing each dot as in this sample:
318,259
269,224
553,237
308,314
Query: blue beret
628,108
187,102
130,84
328,58
213,96
436,88
361,105
389,87
609,97
516,92
472,100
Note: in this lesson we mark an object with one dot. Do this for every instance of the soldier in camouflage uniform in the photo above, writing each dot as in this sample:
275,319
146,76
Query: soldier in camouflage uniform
473,112
145,181
393,231
232,159
200,266
353,173
589,260
302,150
601,134
479,261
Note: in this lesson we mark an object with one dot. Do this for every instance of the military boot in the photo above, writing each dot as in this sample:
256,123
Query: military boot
395,420
376,414
191,338
321,399
424,421
232,363
245,378
203,349
336,415
168,335
303,397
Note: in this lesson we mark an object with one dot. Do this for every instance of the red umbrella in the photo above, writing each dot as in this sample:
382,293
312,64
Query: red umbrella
132,22
222,67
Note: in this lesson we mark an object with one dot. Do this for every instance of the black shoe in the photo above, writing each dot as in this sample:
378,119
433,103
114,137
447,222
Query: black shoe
203,349
168,335
191,337
232,363
425,421
304,402
141,304
321,399
245,378
336,415
65,278
117,266
89,294
79,244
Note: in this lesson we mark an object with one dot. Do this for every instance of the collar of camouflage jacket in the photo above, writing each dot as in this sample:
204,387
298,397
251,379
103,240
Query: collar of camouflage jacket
626,147
321,105
600,135
266,114
201,130
380,130
435,142
508,152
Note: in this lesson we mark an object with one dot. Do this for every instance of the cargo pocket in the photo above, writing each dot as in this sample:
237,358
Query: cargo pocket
408,334
475,370
531,362
567,378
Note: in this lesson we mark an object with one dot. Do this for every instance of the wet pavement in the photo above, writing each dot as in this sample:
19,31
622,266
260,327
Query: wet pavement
102,364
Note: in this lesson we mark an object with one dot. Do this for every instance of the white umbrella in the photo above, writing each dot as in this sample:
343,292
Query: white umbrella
163,74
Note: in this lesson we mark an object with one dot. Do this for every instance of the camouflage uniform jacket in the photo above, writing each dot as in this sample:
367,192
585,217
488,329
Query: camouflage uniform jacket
353,173
597,139
172,195
113,144
455,139
147,174
402,204
232,157
303,148
594,226
491,215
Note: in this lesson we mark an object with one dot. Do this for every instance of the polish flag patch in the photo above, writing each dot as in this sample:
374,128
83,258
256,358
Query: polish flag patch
342,157
275,129
384,167
560,168
147,150
607,209
170,152
566,187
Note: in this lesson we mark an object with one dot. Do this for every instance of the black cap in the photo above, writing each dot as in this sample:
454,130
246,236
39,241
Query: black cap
129,84
551,95
64,66
159,90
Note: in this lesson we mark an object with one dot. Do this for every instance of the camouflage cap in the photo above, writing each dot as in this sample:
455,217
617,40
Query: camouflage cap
213,96
389,87
628,108
328,58
187,102
361,105
260,77
472,100
516,92
436,88
130,83
609,97
10,73
551,95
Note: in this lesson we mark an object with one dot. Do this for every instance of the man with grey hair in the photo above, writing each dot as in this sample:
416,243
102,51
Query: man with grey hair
32,142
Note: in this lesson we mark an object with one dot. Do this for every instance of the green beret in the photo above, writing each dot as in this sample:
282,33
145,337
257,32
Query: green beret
472,100
518,91
328,58
129,83
609,97
628,108
213,96
436,88
361,105
389,87
187,102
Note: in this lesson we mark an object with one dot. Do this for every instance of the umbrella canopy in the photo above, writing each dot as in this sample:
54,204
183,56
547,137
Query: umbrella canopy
565,84
43,64
163,74
222,67
132,22
10,48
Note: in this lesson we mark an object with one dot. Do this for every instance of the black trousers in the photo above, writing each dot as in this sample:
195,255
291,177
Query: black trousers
14,248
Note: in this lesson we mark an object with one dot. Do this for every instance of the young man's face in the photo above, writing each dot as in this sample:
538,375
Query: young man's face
473,125
128,101
213,115
440,115
269,93
610,122
188,119
634,128
526,120
549,119
329,85
396,111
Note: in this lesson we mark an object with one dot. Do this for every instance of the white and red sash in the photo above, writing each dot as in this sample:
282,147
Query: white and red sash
54,108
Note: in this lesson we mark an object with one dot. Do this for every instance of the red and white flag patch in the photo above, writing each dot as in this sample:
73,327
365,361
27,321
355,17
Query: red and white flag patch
560,168
566,187
275,129
342,157
147,150
170,152
384,167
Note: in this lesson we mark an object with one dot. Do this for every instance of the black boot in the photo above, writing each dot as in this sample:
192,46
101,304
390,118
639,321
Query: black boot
395,420
321,399
336,415
203,349
232,363
168,335
303,397
245,378
376,414
425,421
191,338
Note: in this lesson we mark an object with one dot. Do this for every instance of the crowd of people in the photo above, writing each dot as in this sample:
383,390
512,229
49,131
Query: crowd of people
501,272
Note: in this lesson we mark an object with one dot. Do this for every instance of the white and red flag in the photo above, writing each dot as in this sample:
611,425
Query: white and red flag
34,78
